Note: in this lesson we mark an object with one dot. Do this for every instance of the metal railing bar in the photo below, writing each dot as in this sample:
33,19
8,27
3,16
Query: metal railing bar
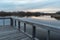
19,25
48,35
24,27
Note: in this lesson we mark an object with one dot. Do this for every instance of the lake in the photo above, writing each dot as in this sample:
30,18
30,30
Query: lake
40,32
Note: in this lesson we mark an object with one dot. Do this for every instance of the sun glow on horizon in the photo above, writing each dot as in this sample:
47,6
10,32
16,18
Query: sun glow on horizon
46,10
43,18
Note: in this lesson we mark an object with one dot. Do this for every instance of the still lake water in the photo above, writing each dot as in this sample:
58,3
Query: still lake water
40,32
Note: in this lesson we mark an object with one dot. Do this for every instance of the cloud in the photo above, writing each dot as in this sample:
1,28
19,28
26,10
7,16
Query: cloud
21,1
11,4
18,5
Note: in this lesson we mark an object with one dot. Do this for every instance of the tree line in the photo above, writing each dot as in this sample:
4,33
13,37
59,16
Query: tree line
22,13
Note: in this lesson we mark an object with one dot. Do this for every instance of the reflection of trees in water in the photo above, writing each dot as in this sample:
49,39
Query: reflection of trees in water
56,15
58,18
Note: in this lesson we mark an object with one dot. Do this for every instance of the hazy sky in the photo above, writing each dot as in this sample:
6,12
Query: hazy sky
30,5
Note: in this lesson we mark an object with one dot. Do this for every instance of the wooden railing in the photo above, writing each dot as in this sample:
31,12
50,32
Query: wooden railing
44,26
24,31
2,20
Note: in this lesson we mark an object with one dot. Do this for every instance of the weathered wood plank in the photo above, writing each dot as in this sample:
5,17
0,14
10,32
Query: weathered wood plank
10,33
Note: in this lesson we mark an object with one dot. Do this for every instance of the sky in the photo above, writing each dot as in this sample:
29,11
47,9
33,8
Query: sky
30,5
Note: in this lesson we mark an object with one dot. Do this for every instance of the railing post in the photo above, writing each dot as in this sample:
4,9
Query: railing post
19,25
48,35
15,23
11,20
3,22
24,27
34,32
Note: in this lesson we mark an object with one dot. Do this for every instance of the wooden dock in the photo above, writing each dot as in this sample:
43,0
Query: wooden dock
11,33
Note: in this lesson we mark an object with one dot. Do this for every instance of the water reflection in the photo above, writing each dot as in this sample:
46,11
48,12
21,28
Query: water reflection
44,17
57,18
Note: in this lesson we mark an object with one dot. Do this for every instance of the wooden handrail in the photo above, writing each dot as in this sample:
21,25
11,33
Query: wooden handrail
35,24
45,26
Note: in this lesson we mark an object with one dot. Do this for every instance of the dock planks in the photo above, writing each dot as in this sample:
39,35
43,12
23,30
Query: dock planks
11,33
